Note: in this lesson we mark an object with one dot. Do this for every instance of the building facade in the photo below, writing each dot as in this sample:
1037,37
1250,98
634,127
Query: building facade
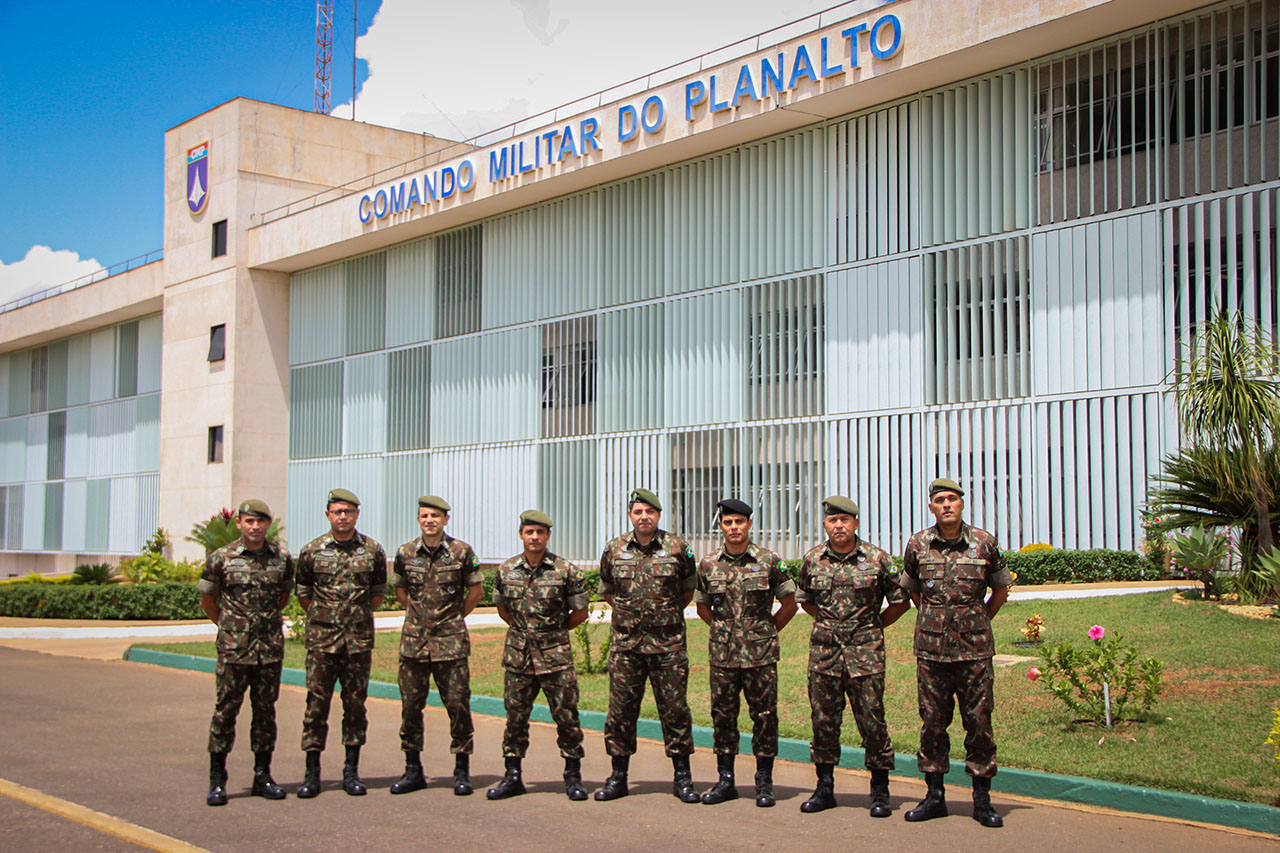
906,240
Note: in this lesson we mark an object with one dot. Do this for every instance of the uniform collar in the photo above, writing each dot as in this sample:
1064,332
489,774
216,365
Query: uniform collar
965,538
428,551
269,548
751,555
859,548
633,545
355,541
548,562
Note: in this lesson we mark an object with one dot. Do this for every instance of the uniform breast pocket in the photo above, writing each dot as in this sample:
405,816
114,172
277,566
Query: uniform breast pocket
448,579
664,568
864,580
821,583
970,577
548,590
415,576
513,591
326,572
237,577
624,576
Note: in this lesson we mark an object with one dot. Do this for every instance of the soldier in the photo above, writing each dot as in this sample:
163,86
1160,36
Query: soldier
438,580
737,584
648,577
243,588
542,598
947,570
342,577
842,584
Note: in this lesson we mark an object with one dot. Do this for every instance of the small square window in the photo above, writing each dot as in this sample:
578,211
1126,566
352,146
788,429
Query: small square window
219,238
218,342
215,444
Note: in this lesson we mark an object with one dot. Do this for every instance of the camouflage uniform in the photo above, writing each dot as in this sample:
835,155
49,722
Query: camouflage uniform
537,653
743,643
341,579
434,641
846,647
647,638
249,586
953,642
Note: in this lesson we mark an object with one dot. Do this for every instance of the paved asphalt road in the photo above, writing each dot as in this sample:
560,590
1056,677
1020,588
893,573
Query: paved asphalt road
127,740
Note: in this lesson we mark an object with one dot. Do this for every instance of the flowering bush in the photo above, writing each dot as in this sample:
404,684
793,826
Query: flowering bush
1102,681
1033,628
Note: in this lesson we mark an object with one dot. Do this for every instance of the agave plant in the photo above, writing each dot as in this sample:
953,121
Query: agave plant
1201,551
221,530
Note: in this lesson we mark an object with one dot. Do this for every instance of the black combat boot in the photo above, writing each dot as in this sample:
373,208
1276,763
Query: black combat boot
310,786
983,813
764,781
573,786
217,795
934,803
824,796
351,773
616,785
263,784
462,775
880,793
682,781
413,779
511,785
725,788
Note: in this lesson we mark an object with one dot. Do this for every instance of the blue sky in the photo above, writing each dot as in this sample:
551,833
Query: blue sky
92,87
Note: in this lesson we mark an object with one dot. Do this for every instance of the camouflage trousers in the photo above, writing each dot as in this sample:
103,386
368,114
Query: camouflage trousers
669,674
826,706
262,680
938,686
453,681
760,685
323,669
561,689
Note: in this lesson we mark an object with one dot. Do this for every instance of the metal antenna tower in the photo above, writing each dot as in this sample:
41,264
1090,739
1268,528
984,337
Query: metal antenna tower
324,54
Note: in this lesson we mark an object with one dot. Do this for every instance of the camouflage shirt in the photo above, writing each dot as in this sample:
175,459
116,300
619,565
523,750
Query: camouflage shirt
249,586
341,579
437,580
847,592
648,584
740,591
952,579
538,601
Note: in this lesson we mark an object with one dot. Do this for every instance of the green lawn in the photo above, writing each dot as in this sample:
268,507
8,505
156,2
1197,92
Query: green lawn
1206,734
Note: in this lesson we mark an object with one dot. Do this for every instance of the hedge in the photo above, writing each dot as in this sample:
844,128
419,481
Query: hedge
1096,565
171,600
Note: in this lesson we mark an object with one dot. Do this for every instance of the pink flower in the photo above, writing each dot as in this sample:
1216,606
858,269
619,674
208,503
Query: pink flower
1096,633
1033,674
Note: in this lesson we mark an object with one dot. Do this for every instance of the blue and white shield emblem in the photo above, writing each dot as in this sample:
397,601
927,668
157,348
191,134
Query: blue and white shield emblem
198,176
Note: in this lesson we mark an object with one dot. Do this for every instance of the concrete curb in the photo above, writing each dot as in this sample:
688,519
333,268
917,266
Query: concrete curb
1027,783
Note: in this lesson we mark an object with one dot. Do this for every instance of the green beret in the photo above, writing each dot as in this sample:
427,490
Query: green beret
837,505
644,496
532,516
944,484
255,507
435,502
343,496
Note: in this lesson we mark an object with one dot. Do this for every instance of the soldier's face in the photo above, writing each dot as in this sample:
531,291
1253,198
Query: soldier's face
842,530
432,520
534,537
253,530
644,518
342,517
946,507
736,529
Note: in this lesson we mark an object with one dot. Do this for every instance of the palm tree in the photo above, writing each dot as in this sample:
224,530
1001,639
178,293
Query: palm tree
1229,397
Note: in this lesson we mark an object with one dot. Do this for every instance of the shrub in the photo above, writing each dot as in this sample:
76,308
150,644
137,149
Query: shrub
165,600
297,619
1034,547
150,567
585,658
220,530
1102,681
94,573
1090,566
33,577
1201,552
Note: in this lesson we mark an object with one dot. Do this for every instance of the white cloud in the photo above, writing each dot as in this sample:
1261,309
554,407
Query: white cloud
462,69
41,268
